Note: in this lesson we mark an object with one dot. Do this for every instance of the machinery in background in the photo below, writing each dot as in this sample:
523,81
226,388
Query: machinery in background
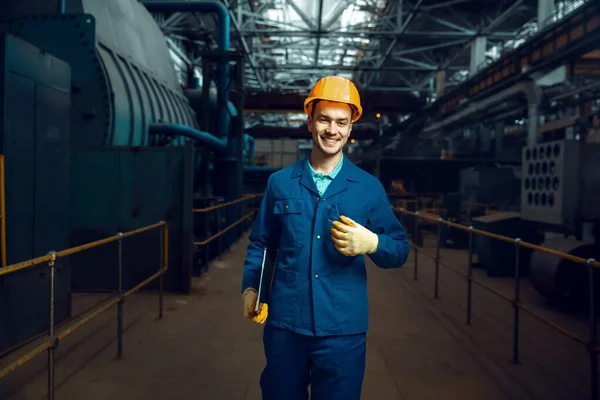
122,75
557,199
496,186
99,137
561,184
560,194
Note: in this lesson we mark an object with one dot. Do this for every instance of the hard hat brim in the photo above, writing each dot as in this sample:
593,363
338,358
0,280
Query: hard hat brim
356,108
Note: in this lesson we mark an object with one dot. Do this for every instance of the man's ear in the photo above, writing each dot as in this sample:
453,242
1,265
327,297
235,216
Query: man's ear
309,123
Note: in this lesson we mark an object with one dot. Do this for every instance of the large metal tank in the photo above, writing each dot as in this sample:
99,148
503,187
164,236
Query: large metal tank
122,72
564,283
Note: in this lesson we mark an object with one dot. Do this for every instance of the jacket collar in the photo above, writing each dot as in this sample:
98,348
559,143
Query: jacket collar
347,173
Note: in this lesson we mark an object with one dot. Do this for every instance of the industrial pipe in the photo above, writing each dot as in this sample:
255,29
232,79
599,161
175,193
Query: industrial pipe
194,97
223,41
62,5
215,143
249,143
529,88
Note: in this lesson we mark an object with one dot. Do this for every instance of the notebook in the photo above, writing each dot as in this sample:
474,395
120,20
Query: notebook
266,279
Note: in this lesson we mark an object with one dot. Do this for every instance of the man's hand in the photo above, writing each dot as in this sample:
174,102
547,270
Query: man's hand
249,298
353,239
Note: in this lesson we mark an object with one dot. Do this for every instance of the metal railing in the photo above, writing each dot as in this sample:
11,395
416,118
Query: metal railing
222,230
591,342
53,339
434,204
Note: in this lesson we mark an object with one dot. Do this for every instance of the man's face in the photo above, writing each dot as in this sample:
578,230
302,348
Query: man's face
330,126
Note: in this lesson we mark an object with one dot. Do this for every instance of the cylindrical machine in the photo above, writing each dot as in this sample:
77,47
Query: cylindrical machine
123,75
564,283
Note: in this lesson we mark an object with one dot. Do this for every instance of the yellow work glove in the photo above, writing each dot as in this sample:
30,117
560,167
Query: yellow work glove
352,239
249,298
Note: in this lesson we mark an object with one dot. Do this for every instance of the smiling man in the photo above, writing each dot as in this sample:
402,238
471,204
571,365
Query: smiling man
320,217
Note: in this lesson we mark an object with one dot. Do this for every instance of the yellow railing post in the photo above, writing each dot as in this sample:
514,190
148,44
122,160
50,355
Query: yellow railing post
52,265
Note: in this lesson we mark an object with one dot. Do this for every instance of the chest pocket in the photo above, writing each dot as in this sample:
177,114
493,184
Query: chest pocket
356,212
290,213
288,206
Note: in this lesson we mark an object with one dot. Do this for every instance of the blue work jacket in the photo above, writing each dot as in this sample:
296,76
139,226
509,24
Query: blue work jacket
316,290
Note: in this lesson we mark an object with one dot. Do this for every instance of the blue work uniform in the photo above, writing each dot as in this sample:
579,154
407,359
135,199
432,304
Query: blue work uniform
318,306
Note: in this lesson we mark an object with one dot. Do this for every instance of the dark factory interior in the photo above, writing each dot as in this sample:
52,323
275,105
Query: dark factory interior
139,139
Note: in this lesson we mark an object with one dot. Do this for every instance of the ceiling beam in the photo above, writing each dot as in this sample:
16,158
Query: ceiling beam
397,102
372,34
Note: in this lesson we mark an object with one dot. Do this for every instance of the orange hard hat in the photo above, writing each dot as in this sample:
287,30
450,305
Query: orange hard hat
335,88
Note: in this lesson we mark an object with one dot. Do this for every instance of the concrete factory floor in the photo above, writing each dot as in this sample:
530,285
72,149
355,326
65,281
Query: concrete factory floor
418,347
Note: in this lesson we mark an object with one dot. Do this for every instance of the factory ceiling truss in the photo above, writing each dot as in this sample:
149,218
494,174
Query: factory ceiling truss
391,46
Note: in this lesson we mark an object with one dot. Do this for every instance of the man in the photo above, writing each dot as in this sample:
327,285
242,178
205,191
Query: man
322,215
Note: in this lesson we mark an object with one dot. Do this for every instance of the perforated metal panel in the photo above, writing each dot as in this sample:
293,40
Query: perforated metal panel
549,185
561,182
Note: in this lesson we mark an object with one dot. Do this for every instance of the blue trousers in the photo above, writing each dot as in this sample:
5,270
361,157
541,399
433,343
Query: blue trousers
334,366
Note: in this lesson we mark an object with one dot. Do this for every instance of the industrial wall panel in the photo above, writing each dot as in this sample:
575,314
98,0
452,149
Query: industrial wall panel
53,162
20,163
52,191
90,204
145,198
26,293
35,141
73,40
95,215
139,187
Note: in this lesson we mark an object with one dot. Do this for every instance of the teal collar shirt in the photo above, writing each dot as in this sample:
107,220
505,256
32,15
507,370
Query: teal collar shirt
322,181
